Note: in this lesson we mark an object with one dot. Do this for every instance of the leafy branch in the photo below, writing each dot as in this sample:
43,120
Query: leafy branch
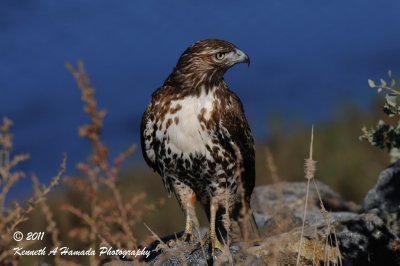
384,135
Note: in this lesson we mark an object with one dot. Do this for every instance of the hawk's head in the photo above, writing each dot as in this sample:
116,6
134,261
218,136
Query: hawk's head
206,61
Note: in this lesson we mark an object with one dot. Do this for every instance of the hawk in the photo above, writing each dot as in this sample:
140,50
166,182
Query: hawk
195,135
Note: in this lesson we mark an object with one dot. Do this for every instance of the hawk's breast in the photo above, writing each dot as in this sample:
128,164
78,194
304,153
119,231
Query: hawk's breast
187,125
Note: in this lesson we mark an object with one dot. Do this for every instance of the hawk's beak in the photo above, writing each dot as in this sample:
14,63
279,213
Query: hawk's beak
241,57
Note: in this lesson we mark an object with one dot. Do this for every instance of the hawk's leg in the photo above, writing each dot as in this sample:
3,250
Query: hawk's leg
212,232
211,235
187,200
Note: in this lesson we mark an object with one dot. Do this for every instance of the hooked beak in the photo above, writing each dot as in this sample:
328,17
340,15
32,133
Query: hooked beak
241,57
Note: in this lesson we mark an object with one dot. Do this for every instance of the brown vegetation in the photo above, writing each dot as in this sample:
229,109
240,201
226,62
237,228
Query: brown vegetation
109,219
14,215
103,216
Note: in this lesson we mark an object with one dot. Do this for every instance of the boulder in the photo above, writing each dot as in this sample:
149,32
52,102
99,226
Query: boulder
384,197
339,233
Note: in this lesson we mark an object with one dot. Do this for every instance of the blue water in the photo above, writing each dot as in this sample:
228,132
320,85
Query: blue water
307,57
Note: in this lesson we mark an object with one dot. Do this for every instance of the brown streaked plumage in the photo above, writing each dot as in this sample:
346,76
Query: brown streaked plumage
194,133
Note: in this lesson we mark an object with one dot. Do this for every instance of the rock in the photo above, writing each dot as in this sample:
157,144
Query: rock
365,240
190,254
341,234
119,263
359,240
183,253
362,238
385,197
281,205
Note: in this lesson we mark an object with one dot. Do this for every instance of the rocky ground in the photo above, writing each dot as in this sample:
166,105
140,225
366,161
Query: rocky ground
336,232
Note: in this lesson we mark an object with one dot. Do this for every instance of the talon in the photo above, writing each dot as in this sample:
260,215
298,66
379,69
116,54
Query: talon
172,242
205,239
187,237
215,244
211,236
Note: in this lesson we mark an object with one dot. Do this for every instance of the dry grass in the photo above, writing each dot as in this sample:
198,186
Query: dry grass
287,243
167,251
309,169
105,217
110,218
271,166
13,216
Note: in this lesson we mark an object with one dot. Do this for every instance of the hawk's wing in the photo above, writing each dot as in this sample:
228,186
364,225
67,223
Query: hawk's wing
148,139
147,132
235,123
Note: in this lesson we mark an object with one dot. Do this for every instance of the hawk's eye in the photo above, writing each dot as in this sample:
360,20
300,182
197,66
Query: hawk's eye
220,56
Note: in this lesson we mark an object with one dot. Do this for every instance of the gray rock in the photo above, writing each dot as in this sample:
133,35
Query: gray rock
365,240
281,205
344,232
358,239
385,195
119,263
192,254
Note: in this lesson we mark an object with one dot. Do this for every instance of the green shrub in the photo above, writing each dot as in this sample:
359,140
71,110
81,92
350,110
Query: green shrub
386,134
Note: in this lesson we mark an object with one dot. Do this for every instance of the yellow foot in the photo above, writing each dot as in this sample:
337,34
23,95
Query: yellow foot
186,237
215,244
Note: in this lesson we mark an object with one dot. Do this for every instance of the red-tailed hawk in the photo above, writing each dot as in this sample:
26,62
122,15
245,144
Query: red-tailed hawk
194,133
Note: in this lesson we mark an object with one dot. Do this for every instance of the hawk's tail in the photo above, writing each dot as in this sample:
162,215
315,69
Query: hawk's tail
252,221
246,221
